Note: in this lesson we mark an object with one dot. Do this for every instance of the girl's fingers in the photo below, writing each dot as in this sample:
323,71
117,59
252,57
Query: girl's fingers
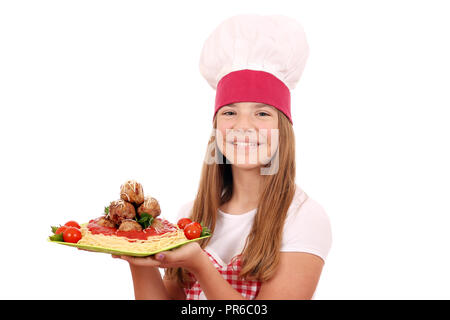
126,258
161,260
161,256
139,261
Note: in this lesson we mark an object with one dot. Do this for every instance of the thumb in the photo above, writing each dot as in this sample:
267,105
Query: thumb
163,256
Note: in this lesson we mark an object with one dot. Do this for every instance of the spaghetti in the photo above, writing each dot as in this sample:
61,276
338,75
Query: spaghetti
161,235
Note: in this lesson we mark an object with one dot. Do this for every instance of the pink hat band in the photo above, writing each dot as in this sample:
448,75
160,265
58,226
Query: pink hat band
253,86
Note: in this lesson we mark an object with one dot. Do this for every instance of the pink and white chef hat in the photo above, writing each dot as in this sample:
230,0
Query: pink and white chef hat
255,58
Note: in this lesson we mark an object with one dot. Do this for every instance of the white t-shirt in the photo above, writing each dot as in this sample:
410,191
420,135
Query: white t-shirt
306,229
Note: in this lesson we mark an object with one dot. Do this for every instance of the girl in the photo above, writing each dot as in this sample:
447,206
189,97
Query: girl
269,239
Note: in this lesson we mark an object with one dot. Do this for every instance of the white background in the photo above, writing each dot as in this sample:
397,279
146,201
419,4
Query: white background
93,93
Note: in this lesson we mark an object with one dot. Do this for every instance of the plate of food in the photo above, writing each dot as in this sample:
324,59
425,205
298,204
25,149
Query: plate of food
131,226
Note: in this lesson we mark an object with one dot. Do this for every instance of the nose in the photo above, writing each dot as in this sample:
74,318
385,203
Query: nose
244,122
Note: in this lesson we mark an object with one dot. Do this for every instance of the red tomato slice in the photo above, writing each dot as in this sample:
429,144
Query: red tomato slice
71,234
72,224
60,229
193,230
183,222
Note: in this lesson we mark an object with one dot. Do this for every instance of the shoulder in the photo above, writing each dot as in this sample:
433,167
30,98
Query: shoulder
306,209
307,227
185,210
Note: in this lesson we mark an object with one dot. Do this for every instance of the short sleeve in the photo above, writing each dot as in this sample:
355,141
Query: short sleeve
185,210
307,229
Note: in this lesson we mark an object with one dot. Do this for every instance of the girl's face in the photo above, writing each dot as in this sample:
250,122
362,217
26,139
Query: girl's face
247,133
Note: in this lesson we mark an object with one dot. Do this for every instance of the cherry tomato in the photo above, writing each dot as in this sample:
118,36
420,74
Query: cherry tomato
71,234
193,230
72,224
183,222
60,229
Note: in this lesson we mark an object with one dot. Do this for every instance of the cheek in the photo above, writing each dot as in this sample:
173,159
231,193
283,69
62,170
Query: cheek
220,137
269,134
222,127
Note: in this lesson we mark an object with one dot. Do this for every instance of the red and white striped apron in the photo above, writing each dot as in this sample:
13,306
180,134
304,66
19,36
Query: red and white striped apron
248,288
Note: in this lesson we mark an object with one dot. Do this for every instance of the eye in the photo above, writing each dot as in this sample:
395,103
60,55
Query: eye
264,114
228,113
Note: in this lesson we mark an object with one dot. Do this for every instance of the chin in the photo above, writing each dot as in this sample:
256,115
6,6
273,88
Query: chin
247,166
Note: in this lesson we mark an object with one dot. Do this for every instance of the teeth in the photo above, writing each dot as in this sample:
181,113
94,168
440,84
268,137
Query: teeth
245,144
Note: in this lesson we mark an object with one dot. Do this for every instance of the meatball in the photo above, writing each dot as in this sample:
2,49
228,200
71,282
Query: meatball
120,210
106,222
132,191
150,206
130,225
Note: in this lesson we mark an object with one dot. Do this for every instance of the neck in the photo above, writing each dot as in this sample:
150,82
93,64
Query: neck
246,186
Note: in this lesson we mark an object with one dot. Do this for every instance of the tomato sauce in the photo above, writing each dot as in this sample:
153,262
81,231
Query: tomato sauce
95,228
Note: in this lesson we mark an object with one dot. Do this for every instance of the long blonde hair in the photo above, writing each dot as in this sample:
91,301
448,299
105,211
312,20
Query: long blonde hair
261,253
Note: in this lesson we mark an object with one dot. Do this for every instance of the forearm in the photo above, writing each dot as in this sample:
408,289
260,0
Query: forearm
148,284
213,284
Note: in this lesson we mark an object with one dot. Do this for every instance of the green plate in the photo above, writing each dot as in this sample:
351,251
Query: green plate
124,253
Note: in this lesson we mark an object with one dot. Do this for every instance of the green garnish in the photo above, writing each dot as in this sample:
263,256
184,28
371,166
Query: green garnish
145,220
57,237
106,211
205,231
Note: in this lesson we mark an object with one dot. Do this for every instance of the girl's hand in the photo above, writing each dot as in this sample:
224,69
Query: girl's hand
190,257
139,261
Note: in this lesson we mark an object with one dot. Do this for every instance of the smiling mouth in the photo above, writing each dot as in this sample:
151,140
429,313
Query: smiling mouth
244,144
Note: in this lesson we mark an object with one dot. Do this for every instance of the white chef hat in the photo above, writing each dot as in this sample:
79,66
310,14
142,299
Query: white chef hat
255,58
